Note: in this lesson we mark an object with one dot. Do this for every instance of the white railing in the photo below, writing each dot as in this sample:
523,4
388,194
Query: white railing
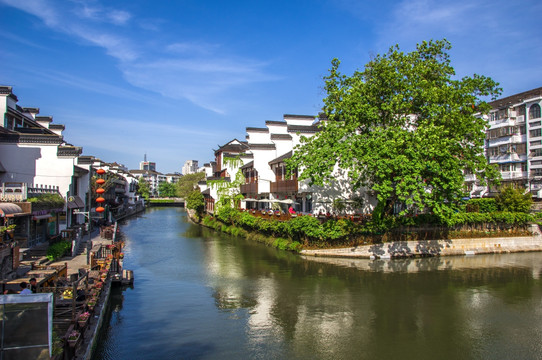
13,192
18,192
508,175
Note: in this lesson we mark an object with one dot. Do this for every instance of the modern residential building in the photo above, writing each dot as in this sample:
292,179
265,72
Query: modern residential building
173,178
190,167
514,143
153,178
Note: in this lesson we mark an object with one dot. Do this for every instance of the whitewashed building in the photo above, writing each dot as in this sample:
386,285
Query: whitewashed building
267,185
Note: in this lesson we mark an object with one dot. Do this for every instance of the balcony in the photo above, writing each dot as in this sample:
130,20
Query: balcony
19,192
514,175
284,186
13,192
251,188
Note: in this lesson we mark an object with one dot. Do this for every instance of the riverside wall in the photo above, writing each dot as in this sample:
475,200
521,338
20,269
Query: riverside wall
405,249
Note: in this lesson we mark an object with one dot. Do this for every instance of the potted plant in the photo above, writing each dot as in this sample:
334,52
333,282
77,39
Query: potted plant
73,338
83,319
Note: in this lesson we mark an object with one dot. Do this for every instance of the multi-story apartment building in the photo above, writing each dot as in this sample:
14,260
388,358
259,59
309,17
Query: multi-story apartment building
514,143
190,167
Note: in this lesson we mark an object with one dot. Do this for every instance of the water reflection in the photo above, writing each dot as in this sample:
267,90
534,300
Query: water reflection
204,295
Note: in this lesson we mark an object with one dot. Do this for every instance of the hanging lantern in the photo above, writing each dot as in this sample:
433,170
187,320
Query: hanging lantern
100,171
100,200
100,191
100,209
100,181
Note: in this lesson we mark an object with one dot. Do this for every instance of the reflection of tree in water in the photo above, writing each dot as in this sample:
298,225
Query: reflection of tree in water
228,301
192,232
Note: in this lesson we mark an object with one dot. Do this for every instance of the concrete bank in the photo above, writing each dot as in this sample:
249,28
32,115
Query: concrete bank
402,249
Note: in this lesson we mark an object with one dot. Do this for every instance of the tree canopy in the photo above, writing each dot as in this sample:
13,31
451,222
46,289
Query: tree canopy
403,127
143,188
166,189
188,183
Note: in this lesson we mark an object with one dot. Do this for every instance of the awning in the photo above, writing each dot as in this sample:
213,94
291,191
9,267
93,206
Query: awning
41,217
9,209
75,202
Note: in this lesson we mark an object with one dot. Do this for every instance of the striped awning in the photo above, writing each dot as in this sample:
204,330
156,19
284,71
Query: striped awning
9,209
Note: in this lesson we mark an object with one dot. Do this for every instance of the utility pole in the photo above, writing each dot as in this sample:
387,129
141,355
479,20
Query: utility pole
89,243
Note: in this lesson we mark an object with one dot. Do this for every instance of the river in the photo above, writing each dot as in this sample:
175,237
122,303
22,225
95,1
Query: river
203,295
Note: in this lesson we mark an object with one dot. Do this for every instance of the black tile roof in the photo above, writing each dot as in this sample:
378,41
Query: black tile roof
281,158
281,137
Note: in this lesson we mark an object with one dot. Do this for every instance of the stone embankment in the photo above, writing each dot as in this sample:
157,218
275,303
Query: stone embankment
402,249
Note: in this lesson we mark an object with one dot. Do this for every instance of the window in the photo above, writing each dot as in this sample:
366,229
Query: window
536,152
521,110
535,143
519,148
493,151
534,111
537,172
504,167
535,133
535,123
522,129
523,166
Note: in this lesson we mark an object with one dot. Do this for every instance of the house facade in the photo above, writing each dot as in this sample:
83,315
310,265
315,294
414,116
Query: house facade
266,182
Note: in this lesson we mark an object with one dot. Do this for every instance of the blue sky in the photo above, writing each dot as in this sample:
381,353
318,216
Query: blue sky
174,79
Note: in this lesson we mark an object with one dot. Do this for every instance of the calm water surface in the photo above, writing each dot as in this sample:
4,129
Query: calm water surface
203,295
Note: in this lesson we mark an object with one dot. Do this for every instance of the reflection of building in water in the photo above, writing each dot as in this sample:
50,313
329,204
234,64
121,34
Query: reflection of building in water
498,261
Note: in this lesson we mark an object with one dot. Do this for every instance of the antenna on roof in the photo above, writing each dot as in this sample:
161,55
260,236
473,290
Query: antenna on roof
145,157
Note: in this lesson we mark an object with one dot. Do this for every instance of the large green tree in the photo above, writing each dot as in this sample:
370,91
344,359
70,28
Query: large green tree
166,189
143,188
188,183
404,127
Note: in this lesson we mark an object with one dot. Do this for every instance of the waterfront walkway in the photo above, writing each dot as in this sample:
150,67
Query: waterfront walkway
402,249
79,261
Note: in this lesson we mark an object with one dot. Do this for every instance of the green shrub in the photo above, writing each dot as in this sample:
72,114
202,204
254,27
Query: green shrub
57,250
195,201
481,205
514,200
47,201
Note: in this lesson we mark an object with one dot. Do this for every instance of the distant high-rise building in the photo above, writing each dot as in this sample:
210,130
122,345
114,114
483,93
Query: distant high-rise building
190,167
147,165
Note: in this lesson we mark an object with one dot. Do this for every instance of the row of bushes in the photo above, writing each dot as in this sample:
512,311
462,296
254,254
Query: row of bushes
310,231
280,243
161,201
47,201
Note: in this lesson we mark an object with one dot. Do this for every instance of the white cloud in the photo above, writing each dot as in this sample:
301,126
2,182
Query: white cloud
488,37
196,71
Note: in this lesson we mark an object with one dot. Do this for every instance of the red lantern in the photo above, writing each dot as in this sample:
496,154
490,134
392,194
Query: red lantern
100,191
100,171
100,209
100,181
100,200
